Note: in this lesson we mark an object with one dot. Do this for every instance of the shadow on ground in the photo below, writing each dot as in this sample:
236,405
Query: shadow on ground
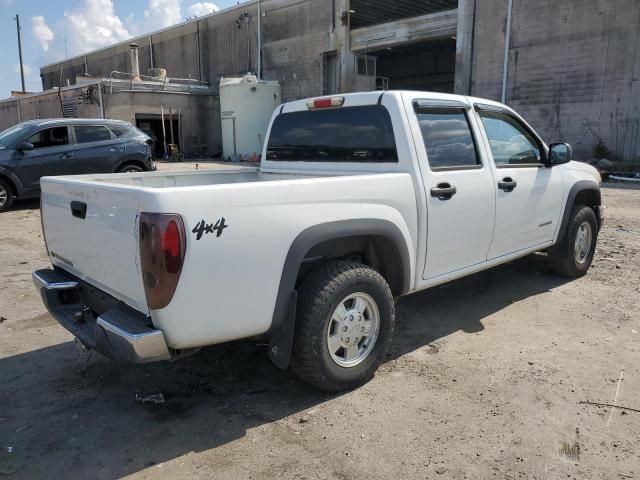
27,204
86,423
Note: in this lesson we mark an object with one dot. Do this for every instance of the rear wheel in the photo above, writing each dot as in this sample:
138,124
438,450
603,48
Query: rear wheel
573,254
6,196
344,325
130,168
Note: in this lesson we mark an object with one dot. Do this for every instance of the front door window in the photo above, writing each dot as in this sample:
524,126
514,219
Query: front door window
50,137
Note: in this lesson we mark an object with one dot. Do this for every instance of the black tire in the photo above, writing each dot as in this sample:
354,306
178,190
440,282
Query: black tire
562,256
130,168
319,295
6,195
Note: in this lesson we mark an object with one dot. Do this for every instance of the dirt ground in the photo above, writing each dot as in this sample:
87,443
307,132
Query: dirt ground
485,380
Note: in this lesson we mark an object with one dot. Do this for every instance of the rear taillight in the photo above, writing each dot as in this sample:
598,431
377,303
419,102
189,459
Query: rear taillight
162,247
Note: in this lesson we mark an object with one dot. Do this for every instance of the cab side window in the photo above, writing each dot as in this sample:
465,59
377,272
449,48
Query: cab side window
50,137
511,143
447,138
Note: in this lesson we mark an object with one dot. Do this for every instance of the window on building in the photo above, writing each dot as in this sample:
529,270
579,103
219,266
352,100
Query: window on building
91,133
366,65
50,137
447,138
511,143
349,134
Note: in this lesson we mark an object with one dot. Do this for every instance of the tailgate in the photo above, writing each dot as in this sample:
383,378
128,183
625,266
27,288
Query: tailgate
99,245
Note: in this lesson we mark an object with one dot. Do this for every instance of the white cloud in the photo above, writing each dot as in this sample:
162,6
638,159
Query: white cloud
41,31
161,14
201,9
93,24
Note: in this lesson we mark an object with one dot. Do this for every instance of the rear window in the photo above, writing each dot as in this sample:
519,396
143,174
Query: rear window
92,133
119,130
350,134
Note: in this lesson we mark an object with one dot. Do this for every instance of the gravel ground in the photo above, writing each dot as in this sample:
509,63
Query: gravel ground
485,380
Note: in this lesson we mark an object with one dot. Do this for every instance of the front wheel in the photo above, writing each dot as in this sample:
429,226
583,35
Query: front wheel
573,254
344,325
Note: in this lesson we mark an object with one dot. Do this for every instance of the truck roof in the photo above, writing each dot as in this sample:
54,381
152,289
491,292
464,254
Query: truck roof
373,97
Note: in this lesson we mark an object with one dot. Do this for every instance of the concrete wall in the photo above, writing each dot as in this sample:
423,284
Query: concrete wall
199,116
294,33
45,105
574,67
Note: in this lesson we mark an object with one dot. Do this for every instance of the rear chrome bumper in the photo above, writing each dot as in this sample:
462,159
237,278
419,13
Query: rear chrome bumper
100,321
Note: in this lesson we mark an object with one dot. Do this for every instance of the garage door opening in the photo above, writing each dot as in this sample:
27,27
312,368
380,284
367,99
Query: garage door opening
417,66
152,126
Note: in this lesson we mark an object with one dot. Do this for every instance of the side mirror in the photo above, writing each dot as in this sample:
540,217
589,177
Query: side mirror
560,153
24,146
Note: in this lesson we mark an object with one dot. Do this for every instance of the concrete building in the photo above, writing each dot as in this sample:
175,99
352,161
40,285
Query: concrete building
572,67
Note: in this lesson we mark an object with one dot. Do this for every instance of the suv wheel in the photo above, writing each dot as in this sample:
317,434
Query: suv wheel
344,325
572,255
6,196
130,168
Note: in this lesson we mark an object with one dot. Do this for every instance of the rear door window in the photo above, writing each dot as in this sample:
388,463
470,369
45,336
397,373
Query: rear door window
119,130
91,133
447,138
50,137
347,134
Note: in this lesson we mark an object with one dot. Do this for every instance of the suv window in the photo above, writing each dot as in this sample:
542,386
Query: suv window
50,137
91,133
511,143
349,134
447,138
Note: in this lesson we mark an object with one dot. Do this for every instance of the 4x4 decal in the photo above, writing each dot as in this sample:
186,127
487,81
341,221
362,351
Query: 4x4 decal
203,227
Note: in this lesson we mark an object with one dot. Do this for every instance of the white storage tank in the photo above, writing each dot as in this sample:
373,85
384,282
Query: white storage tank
246,106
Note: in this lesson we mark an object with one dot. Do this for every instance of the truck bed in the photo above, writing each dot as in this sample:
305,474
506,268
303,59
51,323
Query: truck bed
91,224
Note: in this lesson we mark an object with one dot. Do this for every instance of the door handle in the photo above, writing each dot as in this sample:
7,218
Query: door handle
507,184
66,155
443,191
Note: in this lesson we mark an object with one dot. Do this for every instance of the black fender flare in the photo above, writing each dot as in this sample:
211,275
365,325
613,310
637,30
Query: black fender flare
579,186
13,179
282,325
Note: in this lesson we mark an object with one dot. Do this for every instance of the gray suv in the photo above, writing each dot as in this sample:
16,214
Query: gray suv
38,148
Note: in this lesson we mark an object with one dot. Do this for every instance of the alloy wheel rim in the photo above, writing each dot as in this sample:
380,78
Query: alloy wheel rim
353,329
3,196
582,245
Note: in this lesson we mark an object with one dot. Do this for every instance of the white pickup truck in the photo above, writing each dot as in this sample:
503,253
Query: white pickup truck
359,199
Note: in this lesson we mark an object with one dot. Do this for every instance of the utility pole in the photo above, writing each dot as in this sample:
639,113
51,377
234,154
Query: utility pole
259,41
20,52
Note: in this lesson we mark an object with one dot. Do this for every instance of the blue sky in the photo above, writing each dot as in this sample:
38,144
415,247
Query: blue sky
85,25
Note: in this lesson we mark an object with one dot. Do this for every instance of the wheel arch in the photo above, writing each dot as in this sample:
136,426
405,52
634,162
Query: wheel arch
381,244
583,192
